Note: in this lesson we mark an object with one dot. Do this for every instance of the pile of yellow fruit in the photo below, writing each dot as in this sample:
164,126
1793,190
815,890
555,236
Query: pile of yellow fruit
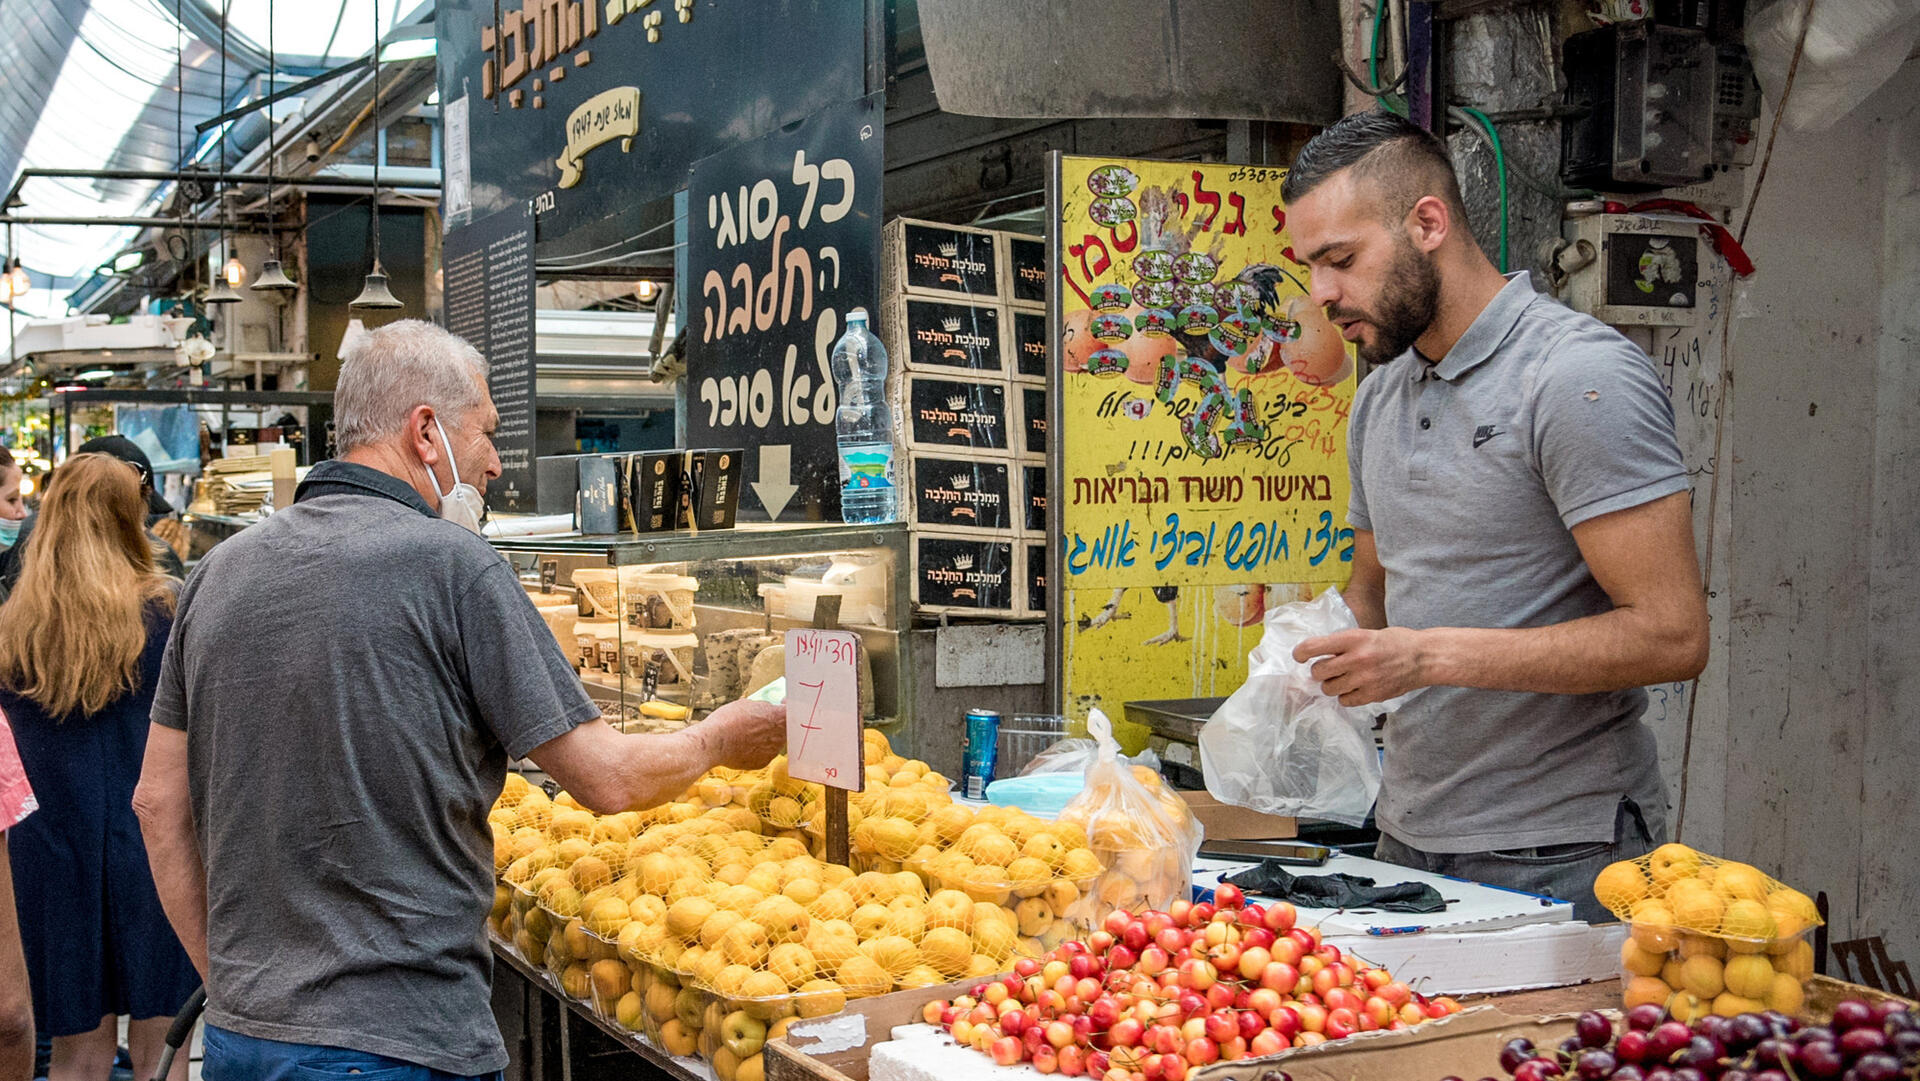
709,923
1708,935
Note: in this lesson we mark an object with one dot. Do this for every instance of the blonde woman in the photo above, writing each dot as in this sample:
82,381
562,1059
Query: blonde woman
81,639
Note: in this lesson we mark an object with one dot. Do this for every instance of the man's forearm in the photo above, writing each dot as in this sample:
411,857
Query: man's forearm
179,876
1368,602
1607,652
660,767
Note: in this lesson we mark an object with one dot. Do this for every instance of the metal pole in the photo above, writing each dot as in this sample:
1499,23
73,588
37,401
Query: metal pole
222,177
297,88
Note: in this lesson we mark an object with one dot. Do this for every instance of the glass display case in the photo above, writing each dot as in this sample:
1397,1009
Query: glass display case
665,628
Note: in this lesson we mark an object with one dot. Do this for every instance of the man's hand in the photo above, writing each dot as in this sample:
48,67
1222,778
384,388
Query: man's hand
747,735
609,771
1360,666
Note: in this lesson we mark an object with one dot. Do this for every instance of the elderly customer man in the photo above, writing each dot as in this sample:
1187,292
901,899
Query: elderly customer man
344,687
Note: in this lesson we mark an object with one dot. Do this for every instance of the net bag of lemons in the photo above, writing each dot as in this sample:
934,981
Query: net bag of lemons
1708,936
1139,830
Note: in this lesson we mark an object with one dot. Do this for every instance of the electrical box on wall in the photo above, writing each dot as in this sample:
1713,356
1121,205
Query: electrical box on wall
1654,106
1644,272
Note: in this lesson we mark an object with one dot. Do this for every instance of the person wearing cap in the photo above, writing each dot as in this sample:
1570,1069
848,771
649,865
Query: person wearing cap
129,452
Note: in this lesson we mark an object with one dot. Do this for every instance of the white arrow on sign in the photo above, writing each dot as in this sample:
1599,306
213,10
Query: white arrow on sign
775,486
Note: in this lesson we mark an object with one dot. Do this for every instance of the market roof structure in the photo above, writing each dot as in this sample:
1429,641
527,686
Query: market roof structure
123,84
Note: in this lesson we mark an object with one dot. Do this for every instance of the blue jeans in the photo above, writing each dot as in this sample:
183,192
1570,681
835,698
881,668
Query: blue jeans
231,1056
1565,872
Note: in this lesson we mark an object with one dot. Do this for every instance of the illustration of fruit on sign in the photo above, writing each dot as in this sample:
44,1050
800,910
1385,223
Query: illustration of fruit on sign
1112,181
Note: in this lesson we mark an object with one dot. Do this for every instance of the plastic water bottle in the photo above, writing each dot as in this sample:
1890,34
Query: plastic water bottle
868,491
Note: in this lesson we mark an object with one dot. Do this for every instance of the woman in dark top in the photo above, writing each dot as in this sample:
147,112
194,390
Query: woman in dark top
81,638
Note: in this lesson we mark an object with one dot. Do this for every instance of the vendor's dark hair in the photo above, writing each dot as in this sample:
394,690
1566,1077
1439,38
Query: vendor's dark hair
1403,160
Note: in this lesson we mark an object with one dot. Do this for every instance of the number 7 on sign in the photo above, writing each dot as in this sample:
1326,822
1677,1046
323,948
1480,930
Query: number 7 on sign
823,709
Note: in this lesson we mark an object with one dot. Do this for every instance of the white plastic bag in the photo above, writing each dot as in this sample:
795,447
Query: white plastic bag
1280,746
1143,833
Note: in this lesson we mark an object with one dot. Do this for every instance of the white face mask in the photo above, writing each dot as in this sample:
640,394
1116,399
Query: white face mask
462,505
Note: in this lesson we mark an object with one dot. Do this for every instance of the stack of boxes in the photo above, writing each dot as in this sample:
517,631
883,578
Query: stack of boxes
963,314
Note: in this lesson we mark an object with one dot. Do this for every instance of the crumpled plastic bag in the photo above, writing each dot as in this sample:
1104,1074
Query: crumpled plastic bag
1280,746
1074,755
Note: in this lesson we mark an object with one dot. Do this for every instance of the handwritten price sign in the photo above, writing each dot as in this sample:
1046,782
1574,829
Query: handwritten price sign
823,708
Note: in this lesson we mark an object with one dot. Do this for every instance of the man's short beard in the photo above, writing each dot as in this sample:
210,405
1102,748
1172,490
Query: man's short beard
1409,300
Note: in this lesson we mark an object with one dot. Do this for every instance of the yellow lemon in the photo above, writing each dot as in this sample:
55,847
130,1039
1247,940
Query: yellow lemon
1672,862
1787,994
1703,976
1696,907
1749,976
1748,925
1639,962
1619,885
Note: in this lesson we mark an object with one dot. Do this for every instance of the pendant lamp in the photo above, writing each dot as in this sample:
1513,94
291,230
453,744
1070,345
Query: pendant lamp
222,291
375,294
272,278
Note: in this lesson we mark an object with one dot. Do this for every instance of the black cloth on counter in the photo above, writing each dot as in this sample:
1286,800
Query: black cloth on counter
1271,879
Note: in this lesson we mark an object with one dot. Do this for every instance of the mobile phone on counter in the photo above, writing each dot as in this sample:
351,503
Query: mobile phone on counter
1287,852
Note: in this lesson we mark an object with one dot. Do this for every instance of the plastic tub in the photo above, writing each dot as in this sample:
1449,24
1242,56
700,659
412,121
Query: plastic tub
657,601
675,650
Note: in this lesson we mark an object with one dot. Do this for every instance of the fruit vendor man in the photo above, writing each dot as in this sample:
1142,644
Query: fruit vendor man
343,689
1523,556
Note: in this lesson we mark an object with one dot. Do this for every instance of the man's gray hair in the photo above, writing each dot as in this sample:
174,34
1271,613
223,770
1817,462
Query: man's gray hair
394,370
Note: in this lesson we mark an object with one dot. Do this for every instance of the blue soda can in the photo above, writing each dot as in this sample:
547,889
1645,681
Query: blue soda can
982,747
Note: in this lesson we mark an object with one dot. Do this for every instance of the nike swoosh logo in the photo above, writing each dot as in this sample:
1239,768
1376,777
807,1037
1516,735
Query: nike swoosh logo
1484,433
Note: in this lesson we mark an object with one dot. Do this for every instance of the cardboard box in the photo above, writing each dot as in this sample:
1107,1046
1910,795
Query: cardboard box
945,415
598,512
712,480
1031,423
650,494
924,258
1028,344
1034,574
556,479
1033,498
947,336
965,575
962,494
1226,822
1026,273
840,1047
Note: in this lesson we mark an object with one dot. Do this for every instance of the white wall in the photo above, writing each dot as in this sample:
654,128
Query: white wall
1816,778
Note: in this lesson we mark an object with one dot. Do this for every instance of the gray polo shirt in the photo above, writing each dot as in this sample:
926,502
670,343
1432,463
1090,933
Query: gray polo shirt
1471,474
353,674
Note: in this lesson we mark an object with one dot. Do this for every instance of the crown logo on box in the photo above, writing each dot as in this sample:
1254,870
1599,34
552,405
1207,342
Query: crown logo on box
957,402
960,481
950,249
963,563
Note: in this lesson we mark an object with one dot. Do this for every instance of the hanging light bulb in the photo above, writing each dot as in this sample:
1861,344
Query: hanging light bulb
16,280
233,272
645,290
